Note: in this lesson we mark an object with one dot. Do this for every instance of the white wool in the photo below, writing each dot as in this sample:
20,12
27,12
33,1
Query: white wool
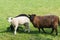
21,20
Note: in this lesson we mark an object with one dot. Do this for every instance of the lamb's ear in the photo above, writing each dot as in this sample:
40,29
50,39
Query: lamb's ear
11,17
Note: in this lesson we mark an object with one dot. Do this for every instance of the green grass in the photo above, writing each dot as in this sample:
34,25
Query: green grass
16,7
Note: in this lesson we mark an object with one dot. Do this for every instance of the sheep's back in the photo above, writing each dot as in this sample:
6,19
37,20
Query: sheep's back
22,20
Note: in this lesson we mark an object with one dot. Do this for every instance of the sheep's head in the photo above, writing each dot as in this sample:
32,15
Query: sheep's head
10,19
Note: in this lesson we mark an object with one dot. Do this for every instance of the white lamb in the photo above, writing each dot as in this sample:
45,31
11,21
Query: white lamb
18,21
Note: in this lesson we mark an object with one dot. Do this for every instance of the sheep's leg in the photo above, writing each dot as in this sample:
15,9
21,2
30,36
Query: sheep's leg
43,30
27,28
52,30
15,29
39,30
56,31
55,28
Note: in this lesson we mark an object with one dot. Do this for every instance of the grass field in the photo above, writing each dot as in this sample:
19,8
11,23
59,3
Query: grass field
16,7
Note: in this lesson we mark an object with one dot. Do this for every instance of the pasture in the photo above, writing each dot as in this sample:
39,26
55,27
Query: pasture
38,7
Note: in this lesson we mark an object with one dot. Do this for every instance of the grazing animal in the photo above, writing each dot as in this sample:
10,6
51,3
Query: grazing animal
22,20
11,26
48,21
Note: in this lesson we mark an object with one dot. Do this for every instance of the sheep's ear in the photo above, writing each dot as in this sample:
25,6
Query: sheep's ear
34,14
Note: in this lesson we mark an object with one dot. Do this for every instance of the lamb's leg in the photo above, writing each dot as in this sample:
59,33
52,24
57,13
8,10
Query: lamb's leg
15,29
11,27
27,28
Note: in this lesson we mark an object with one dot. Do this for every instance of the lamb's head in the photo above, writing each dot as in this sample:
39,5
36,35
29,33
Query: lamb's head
10,19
